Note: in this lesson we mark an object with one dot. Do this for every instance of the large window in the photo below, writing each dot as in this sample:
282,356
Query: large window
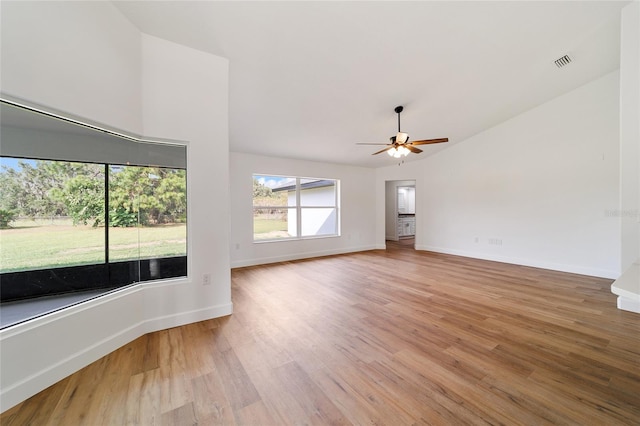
81,210
286,207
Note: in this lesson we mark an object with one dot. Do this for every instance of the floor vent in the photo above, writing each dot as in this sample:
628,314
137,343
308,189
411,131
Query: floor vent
561,62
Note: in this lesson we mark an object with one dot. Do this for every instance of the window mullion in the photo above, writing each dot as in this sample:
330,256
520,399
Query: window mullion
298,209
106,217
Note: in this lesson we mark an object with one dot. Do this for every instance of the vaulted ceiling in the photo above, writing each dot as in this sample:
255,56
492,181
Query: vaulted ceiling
308,80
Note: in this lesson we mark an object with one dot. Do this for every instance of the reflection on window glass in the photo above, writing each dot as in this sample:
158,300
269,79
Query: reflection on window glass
291,207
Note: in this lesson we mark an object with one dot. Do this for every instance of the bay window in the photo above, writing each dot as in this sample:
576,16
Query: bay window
83,208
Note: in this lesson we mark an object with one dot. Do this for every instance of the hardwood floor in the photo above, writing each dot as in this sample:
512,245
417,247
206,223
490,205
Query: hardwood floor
393,337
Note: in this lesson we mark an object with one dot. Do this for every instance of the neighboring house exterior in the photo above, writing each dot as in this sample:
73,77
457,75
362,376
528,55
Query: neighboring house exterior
318,207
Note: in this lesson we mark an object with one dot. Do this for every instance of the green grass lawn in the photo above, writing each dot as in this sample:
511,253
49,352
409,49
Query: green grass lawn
261,226
264,229
38,247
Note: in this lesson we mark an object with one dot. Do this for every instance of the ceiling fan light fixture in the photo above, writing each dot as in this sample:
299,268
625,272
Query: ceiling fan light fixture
399,145
397,152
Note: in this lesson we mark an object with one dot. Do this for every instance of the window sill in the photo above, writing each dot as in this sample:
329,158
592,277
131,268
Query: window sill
13,313
314,237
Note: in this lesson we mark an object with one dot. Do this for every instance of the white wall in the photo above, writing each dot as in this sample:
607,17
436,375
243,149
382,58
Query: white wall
185,96
630,133
79,57
114,75
543,184
357,206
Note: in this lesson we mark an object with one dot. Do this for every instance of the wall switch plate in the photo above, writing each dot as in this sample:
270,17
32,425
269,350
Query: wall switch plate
206,279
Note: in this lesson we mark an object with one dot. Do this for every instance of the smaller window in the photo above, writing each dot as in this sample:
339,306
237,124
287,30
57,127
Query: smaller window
286,207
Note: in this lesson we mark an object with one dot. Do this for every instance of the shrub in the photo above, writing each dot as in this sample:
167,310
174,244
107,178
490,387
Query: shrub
122,218
6,216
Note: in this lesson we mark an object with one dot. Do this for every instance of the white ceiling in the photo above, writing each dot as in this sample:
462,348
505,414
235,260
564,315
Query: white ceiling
310,79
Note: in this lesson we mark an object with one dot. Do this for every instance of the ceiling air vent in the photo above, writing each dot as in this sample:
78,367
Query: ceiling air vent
561,62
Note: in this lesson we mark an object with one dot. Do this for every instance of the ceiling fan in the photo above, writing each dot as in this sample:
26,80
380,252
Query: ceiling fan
400,145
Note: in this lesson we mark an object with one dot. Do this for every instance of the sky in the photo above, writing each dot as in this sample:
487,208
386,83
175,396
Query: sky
273,181
13,163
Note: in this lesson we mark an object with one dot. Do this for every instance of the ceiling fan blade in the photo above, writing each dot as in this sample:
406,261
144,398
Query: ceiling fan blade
360,143
429,141
383,150
412,148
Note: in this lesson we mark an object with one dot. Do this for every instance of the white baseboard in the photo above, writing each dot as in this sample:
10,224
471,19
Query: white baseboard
299,256
40,380
14,393
183,318
628,305
574,269
627,288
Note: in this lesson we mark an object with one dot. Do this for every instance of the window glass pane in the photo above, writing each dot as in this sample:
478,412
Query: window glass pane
274,223
51,214
316,215
147,212
273,191
317,192
163,213
319,221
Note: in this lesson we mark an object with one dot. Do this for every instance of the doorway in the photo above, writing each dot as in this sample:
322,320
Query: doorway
400,213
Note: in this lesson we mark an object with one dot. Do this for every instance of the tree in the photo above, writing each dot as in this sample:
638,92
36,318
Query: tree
154,195
172,195
6,217
264,196
11,191
260,190
137,195
36,187
84,198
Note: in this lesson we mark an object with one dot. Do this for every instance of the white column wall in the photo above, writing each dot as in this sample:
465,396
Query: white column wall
630,133
185,96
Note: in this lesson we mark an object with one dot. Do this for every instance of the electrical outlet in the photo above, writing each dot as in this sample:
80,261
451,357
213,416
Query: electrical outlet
206,279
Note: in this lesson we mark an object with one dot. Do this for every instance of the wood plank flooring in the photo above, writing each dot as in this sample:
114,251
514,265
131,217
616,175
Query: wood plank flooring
395,337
